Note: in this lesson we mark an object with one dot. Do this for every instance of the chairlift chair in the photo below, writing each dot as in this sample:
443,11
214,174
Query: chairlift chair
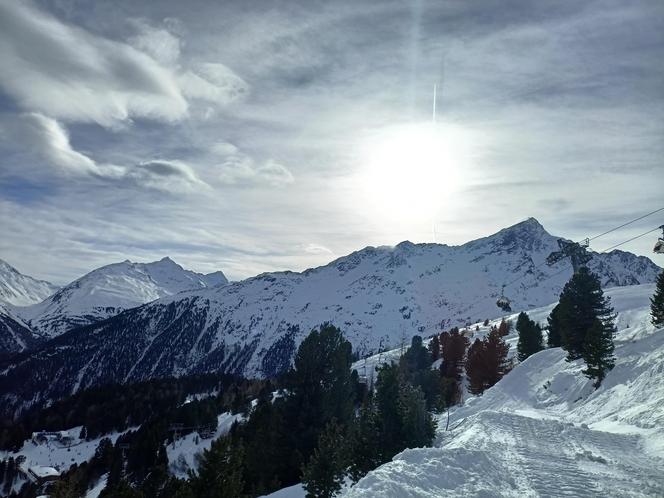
503,302
659,245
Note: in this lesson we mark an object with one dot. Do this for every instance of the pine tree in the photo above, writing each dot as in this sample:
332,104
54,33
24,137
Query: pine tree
324,474
475,367
530,336
365,442
554,336
504,328
404,419
454,346
434,348
496,350
320,386
418,427
220,471
657,303
487,362
598,352
581,303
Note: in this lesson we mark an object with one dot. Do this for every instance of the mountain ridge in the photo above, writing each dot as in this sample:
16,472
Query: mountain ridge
379,297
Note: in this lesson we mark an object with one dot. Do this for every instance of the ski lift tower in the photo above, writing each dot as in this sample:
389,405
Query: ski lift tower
575,251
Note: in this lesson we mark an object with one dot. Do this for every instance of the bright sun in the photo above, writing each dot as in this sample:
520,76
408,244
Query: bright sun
409,170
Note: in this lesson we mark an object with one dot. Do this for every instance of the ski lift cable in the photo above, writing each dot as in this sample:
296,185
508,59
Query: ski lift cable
630,240
597,237
625,224
607,249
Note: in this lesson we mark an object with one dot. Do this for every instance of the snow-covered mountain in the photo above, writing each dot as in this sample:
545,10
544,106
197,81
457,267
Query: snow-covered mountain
544,431
15,335
379,297
21,290
108,290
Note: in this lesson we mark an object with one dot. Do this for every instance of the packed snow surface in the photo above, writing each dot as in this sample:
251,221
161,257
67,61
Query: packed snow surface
544,431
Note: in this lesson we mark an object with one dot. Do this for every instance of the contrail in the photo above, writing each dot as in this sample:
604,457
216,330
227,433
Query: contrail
433,116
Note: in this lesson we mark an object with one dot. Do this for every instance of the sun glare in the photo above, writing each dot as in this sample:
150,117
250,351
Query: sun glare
410,170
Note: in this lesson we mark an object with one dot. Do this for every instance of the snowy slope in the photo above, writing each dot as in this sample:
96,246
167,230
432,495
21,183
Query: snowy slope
183,453
21,290
15,335
544,431
379,297
108,290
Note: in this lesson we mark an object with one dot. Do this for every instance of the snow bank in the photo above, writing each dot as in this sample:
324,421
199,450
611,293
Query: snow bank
544,431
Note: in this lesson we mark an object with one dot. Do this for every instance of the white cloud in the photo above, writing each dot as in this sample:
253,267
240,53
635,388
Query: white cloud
36,135
316,249
45,138
174,176
212,82
161,44
68,73
238,168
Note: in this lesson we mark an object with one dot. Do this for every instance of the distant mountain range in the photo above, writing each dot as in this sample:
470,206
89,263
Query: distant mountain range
378,296
21,290
35,310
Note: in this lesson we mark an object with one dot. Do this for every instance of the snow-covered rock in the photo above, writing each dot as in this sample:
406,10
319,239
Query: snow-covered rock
379,297
21,290
544,431
108,290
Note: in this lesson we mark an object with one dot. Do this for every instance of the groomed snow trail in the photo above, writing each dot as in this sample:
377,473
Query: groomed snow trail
543,431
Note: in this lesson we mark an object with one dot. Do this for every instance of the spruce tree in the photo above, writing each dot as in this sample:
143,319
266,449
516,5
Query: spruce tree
598,352
657,303
321,388
365,442
434,348
581,303
324,474
475,367
585,321
530,337
554,336
496,350
220,470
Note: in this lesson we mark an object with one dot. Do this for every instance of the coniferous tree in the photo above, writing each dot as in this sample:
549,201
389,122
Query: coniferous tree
475,367
598,352
495,349
581,303
418,427
415,366
657,302
321,387
554,336
365,442
454,346
585,321
403,417
504,327
434,348
487,362
530,336
220,471
324,474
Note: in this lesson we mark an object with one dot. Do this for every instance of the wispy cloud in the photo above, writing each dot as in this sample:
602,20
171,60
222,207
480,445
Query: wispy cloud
253,116
34,136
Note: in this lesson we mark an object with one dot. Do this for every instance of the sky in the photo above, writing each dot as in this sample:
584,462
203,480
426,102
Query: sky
255,136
